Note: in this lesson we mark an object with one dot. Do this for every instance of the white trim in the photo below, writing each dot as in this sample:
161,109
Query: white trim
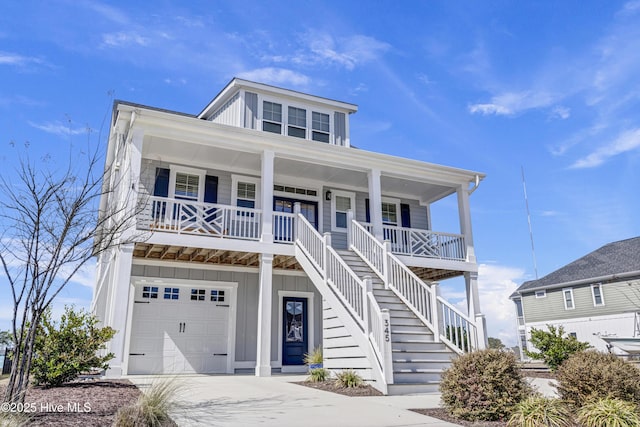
564,299
235,179
543,293
593,294
233,304
127,329
214,267
174,169
310,320
340,193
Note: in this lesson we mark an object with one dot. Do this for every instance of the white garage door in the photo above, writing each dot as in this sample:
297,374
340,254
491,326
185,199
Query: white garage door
179,329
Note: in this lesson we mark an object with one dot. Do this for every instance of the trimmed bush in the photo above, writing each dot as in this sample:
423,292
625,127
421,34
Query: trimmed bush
318,375
554,348
151,409
592,375
609,413
348,379
483,386
540,411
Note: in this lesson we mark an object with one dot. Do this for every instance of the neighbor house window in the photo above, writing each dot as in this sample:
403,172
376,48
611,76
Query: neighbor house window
297,122
596,292
320,127
541,294
519,312
568,299
271,117
341,202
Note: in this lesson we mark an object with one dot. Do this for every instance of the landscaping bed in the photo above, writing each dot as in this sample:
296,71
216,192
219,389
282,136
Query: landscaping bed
92,402
364,390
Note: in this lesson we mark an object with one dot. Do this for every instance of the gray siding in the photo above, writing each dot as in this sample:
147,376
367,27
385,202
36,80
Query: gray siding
229,113
340,128
418,214
250,110
247,304
618,297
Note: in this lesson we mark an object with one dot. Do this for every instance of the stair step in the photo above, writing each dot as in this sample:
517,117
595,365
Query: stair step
418,364
416,388
406,321
424,376
430,354
415,345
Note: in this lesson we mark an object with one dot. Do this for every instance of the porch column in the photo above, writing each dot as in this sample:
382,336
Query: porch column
267,196
263,354
375,203
118,308
464,210
473,307
128,185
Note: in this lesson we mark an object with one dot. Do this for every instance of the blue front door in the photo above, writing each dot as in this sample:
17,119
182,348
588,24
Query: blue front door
294,340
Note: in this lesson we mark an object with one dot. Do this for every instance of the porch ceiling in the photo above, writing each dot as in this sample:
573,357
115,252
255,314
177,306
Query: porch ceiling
199,256
433,274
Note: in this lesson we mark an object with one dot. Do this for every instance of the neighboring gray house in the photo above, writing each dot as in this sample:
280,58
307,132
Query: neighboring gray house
267,234
595,296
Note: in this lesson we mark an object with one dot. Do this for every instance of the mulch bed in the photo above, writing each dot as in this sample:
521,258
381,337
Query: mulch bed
365,390
81,403
442,414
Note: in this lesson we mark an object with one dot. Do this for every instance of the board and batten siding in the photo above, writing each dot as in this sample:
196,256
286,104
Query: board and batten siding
340,128
230,113
250,110
247,302
619,297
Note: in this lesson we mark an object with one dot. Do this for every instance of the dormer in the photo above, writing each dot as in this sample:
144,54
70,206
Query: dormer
265,108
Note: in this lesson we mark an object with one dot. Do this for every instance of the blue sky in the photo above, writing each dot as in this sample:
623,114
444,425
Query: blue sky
549,86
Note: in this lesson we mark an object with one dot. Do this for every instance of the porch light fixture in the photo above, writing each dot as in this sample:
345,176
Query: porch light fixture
327,195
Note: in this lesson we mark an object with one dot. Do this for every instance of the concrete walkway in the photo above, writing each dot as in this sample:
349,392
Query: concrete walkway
237,400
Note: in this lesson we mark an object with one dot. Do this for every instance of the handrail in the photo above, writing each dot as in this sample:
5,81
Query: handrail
425,243
456,329
347,284
284,227
311,243
368,247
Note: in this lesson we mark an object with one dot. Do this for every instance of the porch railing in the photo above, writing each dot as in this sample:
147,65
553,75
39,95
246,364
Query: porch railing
447,323
355,294
283,227
209,219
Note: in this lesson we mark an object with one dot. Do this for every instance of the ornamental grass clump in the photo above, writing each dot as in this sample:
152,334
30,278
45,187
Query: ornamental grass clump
152,408
540,411
349,379
592,375
318,375
609,413
483,386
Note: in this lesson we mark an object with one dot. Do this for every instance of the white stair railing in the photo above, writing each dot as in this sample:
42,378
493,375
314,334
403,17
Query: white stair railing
447,323
355,294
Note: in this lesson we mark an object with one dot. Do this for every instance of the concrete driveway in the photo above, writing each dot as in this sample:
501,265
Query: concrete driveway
238,400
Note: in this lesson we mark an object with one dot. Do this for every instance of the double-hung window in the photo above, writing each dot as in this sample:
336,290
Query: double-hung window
341,202
271,117
568,299
187,186
389,213
596,292
297,122
320,127
246,195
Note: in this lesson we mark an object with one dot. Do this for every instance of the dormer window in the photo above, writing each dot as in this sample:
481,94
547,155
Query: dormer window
297,122
320,127
271,117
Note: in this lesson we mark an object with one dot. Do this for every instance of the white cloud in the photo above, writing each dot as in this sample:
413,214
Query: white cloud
510,103
123,38
7,58
560,112
275,76
59,128
625,142
347,52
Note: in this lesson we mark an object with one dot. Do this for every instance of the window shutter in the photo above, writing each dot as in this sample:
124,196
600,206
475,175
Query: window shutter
161,187
367,212
211,189
405,215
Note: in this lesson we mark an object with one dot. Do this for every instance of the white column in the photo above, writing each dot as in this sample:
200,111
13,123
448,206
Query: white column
263,356
267,196
130,182
473,299
464,211
118,308
375,203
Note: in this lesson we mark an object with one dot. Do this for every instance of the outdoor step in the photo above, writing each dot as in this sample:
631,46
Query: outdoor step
430,354
415,365
417,345
393,305
406,321
387,298
420,376
411,336
418,388
398,312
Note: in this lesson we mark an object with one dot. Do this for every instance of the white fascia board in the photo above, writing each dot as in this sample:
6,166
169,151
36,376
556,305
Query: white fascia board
163,124
212,242
587,281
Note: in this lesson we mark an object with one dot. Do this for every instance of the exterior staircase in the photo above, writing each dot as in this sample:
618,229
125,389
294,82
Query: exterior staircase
418,361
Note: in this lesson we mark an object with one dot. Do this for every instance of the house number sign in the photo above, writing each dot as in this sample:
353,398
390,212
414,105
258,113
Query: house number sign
386,330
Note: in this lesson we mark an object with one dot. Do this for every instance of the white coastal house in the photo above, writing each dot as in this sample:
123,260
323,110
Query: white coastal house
267,234
595,298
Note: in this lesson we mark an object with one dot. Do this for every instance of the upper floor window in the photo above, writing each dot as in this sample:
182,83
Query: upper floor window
390,212
297,122
596,292
568,299
246,195
320,127
271,117
187,186
541,294
341,202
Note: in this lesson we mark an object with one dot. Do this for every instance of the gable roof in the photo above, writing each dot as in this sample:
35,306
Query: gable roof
613,260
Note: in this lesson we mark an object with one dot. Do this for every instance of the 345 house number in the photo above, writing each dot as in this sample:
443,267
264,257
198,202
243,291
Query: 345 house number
386,330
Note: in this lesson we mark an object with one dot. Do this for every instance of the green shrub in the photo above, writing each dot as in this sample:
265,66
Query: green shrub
314,357
540,411
63,351
349,379
609,413
151,409
591,374
318,375
483,385
553,347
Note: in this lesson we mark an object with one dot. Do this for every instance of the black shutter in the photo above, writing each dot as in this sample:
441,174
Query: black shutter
211,189
405,215
367,212
161,187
